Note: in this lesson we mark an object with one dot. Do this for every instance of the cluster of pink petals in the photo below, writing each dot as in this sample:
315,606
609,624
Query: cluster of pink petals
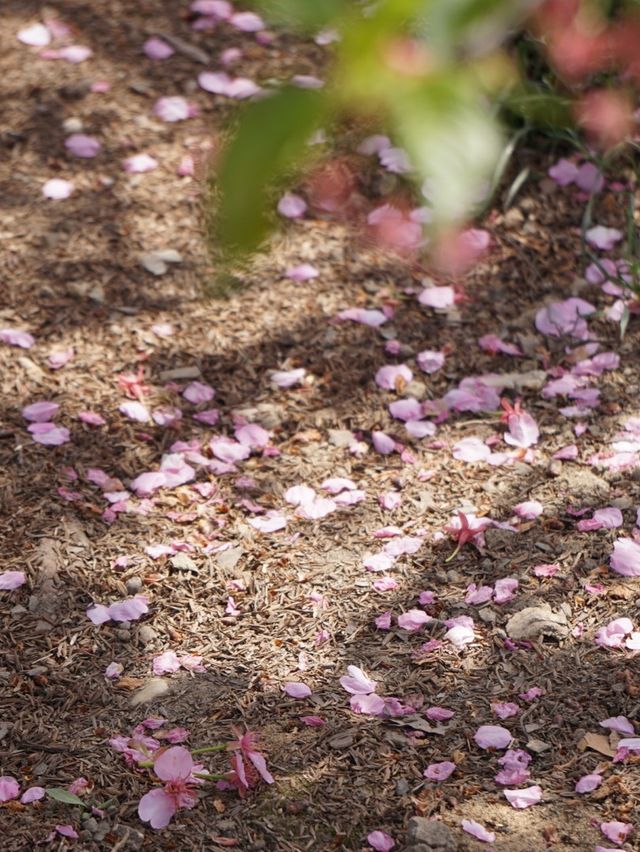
169,662
503,592
586,177
308,503
514,763
565,318
129,609
608,518
220,83
618,633
10,789
175,767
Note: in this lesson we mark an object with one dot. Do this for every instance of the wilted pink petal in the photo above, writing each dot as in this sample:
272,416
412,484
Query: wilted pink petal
57,360
439,771
529,510
413,620
505,589
357,682
478,831
625,558
37,35
523,430
91,418
531,694
380,841
9,788
616,831
603,238
406,409
505,709
492,736
157,807
388,376
130,609
620,724
10,580
437,297
477,595
383,622
613,634
175,108
297,690
546,570
313,721
493,344
49,434
292,206
565,317
210,416
165,663
14,337
588,783
365,316
269,523
32,794
288,378
525,797
471,450
81,145
113,670
67,831
155,48
302,272
568,453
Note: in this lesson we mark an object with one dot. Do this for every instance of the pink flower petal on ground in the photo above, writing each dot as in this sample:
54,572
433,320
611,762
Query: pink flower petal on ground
625,558
14,337
460,632
252,435
437,297
155,48
477,595
57,189
67,831
135,411
439,714
113,670
166,662
287,378
613,634
81,145
387,377
369,705
297,690
313,721
383,622
383,443
430,361
522,431
269,523
588,783
568,453
130,609
394,160
58,359
505,709
493,344
174,108
197,392
531,694
74,53
589,178
620,724
302,272
210,416
357,682
10,580
229,451
478,831
91,418
139,163
505,589
528,510
40,412
525,797
9,788
563,172
413,620
32,794
365,316
471,450
247,22
292,206
380,841
157,807
37,35
405,409
385,584
492,736
546,570
49,434
603,238
439,771
616,831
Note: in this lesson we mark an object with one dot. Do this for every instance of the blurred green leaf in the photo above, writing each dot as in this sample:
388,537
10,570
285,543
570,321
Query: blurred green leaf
452,139
62,795
305,14
269,140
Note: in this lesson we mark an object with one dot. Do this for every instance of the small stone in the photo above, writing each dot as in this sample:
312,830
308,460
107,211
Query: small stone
147,634
155,688
180,373
534,622
434,836
487,615
182,562
554,468
228,559
91,824
133,585
416,389
122,635
341,437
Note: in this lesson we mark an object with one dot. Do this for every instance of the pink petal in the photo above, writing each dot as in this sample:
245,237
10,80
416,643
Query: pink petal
620,724
130,609
313,721
439,714
74,53
57,189
173,764
135,411
477,595
247,22
588,783
297,690
478,831
563,172
413,620
383,443
302,272
37,35
603,238
616,831
58,359
365,316
505,709
155,48
471,450
288,378
525,797
357,681
113,670
292,206
273,523
505,589
49,434
529,510
139,163
91,418
369,705
98,614
546,570
388,376
10,580
492,736
166,662
14,337
9,788
157,808
170,109
81,145
437,297
625,558
430,361
32,794
40,412
589,178
439,771
67,831
380,841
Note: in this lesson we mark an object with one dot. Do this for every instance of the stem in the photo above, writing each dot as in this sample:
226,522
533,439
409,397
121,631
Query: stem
208,749
207,776
455,553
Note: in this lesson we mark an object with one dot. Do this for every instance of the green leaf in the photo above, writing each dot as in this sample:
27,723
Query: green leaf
453,141
270,139
62,795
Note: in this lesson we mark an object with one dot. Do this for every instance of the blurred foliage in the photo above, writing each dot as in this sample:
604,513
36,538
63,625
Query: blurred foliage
438,76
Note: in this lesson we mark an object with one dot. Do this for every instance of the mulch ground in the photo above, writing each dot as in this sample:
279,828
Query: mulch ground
72,276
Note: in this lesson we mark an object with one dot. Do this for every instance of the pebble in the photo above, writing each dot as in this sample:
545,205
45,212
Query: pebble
147,634
133,585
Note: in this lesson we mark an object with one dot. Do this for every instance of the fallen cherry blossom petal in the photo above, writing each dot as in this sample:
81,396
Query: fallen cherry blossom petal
492,736
380,841
588,783
297,690
155,48
36,35
616,831
439,771
313,721
32,794
625,558
49,434
525,797
83,146
15,337
57,189
478,831
292,206
357,682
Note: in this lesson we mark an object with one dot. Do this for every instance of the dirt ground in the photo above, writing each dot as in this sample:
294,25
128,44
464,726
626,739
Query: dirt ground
71,275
